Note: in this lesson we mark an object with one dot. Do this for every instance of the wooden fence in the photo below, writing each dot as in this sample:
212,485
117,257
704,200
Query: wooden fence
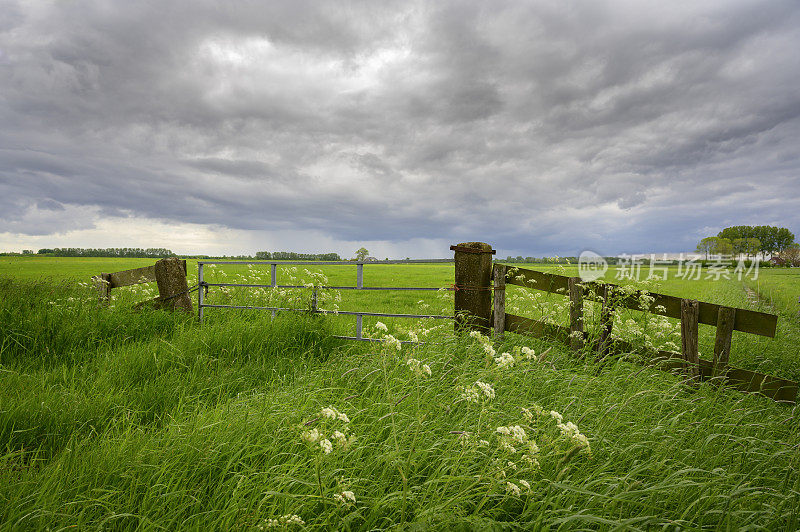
168,274
474,273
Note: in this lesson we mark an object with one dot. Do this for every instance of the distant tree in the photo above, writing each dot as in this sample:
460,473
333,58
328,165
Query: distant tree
772,239
43,251
722,246
706,245
27,252
362,254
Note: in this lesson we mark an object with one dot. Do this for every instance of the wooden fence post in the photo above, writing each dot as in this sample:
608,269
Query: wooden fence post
499,301
726,316
173,291
575,313
690,312
606,322
103,284
473,297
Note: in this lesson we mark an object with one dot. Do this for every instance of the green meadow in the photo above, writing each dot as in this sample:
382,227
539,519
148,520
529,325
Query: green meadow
112,418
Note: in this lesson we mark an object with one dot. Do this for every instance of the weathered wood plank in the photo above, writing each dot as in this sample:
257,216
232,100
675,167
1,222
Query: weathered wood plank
689,337
538,329
748,321
499,313
145,274
130,277
575,313
722,343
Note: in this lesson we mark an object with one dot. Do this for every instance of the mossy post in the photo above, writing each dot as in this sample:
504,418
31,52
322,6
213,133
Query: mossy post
473,289
173,290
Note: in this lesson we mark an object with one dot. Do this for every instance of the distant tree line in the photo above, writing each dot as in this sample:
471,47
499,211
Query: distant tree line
291,255
747,240
148,253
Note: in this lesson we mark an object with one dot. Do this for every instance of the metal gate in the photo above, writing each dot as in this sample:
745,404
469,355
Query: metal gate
359,286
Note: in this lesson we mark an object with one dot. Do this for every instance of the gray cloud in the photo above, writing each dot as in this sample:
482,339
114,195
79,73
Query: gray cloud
546,127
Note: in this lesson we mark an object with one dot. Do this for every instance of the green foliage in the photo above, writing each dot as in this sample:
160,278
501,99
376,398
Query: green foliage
770,239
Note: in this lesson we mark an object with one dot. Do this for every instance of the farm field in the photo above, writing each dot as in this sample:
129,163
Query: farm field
111,418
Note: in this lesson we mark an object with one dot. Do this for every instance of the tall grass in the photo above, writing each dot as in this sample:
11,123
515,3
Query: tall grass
119,419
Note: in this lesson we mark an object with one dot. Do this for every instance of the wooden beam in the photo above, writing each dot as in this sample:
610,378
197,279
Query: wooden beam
722,344
575,313
535,328
130,277
689,338
499,313
748,321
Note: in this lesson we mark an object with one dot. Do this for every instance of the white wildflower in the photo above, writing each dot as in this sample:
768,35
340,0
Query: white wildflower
504,361
487,389
418,368
528,353
310,436
391,341
470,394
555,415
524,484
513,488
326,446
381,327
345,497
340,437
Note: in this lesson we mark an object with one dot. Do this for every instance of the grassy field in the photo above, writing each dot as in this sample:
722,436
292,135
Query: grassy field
116,419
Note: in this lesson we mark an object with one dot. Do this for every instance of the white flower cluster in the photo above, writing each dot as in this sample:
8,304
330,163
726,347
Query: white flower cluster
391,341
514,435
570,430
485,343
528,353
331,413
345,497
418,368
315,437
283,521
504,361
477,391
381,326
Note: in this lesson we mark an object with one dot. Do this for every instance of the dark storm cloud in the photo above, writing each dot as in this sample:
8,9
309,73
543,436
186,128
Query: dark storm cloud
622,126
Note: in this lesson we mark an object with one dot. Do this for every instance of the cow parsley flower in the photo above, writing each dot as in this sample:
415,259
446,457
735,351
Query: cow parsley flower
524,484
391,341
345,497
329,412
326,446
528,353
381,327
310,436
513,489
504,361
418,368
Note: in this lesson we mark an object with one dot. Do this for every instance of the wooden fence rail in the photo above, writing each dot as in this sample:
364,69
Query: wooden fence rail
169,274
472,255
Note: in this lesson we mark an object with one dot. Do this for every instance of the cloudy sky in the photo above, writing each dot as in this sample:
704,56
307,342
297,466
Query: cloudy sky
544,127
